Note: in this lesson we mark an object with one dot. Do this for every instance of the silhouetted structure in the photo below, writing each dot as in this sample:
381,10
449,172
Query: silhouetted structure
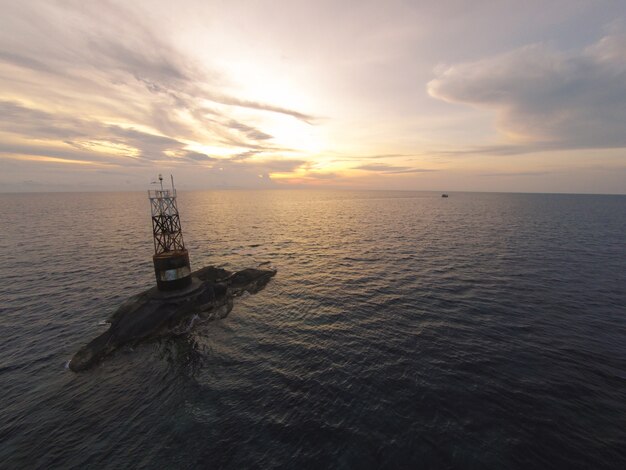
171,259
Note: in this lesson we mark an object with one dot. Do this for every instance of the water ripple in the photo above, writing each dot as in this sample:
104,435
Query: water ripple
402,330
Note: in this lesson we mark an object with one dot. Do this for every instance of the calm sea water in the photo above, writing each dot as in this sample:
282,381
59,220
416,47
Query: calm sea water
402,330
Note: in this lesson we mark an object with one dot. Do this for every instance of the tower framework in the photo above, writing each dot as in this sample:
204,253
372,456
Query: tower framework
171,259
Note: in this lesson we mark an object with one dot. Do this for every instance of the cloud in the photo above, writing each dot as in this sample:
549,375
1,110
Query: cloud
244,155
309,119
519,173
66,153
21,120
232,173
24,62
249,131
544,98
391,169
279,165
95,81
93,140
386,156
317,175
199,157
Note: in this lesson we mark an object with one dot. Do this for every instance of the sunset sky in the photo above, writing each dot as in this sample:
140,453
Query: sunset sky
426,95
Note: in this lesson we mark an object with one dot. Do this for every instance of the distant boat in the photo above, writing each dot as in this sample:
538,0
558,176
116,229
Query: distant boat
444,195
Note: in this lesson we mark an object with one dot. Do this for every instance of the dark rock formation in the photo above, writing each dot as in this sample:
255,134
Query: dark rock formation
154,313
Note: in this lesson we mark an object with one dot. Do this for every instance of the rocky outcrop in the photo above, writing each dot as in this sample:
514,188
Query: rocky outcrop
153,313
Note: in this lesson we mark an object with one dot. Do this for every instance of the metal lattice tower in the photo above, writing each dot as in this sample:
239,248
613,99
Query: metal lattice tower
166,229
171,260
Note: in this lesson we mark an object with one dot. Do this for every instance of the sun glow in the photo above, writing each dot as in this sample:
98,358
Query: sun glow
277,86
294,134
268,83
213,150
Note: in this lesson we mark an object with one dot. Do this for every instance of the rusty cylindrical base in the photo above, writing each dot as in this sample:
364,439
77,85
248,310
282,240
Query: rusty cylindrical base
172,270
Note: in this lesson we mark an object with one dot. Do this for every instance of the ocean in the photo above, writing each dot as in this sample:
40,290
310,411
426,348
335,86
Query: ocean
402,330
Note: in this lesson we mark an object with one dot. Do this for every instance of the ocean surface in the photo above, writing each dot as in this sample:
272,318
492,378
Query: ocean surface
402,330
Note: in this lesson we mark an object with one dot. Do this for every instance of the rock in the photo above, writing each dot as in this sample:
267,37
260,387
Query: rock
153,313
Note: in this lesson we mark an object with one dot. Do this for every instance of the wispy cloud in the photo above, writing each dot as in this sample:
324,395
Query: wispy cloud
249,131
230,100
98,140
513,174
199,157
109,88
236,94
391,169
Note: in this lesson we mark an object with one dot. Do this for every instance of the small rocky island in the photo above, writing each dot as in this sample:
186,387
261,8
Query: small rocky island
179,298
154,313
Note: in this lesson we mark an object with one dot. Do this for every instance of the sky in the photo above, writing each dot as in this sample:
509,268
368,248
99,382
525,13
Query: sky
412,95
